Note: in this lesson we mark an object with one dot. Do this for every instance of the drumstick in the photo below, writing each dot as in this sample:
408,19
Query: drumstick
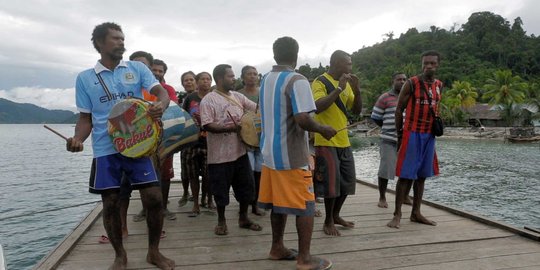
349,126
55,132
230,116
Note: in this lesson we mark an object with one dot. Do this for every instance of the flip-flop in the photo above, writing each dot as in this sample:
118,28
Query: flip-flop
103,239
251,226
291,257
194,214
163,235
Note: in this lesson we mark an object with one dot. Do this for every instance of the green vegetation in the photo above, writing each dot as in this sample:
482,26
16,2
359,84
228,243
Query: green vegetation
487,60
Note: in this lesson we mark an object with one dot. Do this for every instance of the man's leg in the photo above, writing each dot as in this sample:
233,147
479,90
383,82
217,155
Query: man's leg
338,204
112,224
329,227
304,228
195,186
185,181
153,201
254,208
124,205
383,184
401,188
278,250
416,216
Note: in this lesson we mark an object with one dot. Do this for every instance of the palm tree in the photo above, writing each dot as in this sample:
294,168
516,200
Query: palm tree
505,89
464,93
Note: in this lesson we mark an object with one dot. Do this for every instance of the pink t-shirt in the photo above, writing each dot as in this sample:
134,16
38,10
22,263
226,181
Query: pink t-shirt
224,147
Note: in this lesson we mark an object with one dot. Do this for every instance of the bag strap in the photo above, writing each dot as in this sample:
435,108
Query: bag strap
329,88
231,100
105,88
423,87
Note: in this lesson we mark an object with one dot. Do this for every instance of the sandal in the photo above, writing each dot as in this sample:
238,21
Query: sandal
221,230
103,239
251,226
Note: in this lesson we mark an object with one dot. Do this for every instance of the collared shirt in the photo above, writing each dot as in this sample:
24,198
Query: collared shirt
385,111
126,80
283,94
333,116
215,108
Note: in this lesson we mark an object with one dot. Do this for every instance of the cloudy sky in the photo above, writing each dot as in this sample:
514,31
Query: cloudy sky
46,43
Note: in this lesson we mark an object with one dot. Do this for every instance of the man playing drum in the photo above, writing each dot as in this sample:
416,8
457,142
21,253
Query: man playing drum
97,90
228,163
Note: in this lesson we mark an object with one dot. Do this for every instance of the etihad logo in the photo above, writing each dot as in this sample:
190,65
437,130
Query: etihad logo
116,96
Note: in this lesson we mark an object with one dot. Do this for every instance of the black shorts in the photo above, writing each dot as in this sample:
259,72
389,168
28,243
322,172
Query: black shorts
237,174
335,173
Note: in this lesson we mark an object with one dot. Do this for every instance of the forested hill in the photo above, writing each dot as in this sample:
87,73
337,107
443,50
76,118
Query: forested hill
24,113
486,52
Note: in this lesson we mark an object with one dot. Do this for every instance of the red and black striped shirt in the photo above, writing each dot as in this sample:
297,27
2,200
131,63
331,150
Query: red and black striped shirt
417,115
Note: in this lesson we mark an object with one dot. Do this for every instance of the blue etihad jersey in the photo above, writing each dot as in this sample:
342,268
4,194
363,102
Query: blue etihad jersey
126,80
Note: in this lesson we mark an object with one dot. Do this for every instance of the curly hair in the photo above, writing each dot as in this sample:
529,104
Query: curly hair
101,31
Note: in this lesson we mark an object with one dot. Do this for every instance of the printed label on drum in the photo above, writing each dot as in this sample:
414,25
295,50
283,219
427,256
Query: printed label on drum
131,140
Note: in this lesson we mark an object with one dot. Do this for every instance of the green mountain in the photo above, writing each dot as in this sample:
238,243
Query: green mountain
25,113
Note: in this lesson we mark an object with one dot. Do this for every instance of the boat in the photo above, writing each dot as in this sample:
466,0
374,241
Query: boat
522,135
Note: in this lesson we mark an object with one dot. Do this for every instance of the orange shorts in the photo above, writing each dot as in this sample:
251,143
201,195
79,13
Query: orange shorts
287,191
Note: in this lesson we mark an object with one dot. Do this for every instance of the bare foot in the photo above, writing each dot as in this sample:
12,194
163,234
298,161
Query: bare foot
330,229
183,201
382,203
160,261
124,234
315,264
344,223
211,205
394,223
407,200
423,220
283,253
318,213
120,263
256,211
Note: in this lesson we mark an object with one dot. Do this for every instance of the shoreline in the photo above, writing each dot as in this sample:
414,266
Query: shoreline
467,133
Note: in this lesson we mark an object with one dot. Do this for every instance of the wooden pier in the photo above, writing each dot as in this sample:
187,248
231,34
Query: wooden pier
460,240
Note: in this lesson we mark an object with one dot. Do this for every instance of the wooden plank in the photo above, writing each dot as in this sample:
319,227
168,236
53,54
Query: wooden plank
52,260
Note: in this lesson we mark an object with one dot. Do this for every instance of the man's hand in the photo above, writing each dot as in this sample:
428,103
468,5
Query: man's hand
354,81
343,80
74,145
327,132
155,110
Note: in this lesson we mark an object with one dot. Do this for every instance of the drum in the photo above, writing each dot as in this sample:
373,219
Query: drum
133,132
179,131
250,133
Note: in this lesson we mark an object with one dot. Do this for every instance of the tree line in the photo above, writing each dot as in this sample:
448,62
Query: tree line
486,60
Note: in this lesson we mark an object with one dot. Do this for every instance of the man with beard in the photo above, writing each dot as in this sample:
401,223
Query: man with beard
97,91
383,115
417,159
228,163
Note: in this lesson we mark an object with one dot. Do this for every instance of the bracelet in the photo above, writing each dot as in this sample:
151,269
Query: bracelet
339,89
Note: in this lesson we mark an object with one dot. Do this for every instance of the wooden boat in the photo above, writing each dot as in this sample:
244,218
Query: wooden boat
523,139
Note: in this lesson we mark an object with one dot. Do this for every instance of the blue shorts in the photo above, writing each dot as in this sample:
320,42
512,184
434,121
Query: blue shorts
107,172
416,156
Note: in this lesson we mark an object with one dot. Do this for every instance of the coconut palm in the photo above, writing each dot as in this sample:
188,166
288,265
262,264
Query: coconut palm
505,89
464,93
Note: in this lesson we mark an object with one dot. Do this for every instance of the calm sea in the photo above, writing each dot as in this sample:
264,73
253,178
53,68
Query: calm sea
44,191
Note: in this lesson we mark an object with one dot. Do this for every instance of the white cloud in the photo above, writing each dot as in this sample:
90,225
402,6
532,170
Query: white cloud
49,41
50,98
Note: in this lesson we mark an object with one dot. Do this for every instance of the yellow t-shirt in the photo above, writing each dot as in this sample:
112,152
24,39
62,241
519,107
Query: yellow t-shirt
333,116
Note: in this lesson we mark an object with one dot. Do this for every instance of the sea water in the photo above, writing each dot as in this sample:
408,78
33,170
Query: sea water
44,188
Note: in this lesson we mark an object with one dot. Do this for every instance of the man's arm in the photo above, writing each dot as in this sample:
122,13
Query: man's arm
217,128
403,98
305,121
324,102
156,110
83,128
